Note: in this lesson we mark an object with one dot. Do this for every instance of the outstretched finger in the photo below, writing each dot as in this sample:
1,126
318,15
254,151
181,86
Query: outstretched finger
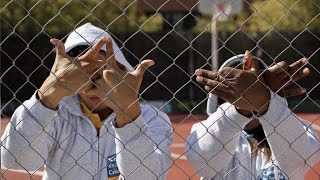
298,64
213,84
297,69
60,49
206,73
279,67
254,65
287,80
93,52
301,74
110,56
247,60
142,67
292,92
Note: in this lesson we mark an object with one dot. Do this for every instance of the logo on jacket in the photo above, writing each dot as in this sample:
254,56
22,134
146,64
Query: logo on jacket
272,173
112,168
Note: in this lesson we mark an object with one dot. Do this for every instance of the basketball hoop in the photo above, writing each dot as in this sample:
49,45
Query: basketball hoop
220,9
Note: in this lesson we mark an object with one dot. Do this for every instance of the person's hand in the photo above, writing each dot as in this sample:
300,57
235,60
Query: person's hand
279,76
69,75
118,88
244,89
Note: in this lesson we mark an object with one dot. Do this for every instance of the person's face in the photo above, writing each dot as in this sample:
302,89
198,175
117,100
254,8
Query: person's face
93,102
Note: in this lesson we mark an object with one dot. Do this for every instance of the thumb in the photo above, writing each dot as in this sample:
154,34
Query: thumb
249,63
247,60
60,49
255,65
145,64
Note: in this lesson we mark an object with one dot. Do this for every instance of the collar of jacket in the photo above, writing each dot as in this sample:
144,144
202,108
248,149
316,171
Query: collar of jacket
72,104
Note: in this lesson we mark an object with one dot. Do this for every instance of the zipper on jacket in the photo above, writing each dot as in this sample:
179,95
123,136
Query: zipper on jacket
97,166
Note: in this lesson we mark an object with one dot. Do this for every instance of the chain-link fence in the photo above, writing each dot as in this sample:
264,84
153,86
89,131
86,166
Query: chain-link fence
81,110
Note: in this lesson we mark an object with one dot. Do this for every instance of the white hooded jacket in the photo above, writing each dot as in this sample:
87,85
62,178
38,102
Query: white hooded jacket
218,148
66,141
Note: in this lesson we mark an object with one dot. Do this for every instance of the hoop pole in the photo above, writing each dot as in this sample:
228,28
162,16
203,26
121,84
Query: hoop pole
214,51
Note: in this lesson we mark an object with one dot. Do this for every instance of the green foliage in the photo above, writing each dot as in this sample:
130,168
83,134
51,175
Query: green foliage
61,16
269,15
203,24
283,15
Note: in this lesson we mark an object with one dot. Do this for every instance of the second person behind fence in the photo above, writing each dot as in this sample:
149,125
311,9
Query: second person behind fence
86,121
254,135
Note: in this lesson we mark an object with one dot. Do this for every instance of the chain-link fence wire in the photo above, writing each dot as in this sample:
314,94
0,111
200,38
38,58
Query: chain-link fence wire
178,38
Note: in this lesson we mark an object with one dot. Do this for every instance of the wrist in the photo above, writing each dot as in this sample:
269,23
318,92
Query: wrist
49,95
245,113
263,109
265,106
127,115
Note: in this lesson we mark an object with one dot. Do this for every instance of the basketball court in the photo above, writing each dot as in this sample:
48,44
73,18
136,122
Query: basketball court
180,168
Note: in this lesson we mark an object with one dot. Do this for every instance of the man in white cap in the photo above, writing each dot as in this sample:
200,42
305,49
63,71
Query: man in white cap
85,121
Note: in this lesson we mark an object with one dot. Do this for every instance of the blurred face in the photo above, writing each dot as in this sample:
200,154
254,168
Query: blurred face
93,102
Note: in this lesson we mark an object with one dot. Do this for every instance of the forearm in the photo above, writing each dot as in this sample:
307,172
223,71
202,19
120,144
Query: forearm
27,136
212,143
50,93
139,153
291,143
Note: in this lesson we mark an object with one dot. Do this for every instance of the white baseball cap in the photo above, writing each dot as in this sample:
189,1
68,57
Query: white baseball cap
89,34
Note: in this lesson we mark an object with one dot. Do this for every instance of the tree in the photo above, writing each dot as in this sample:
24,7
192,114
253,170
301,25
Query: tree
266,15
61,16
284,15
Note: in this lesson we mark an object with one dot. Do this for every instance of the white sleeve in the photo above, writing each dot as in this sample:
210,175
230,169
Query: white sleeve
142,146
293,144
28,137
213,142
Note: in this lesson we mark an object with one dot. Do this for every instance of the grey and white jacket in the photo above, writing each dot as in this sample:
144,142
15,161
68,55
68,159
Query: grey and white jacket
66,142
218,148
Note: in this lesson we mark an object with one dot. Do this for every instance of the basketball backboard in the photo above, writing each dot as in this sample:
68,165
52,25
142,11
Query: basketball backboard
220,8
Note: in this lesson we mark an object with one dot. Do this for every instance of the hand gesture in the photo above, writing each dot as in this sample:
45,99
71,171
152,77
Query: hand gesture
279,76
69,76
118,88
244,89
